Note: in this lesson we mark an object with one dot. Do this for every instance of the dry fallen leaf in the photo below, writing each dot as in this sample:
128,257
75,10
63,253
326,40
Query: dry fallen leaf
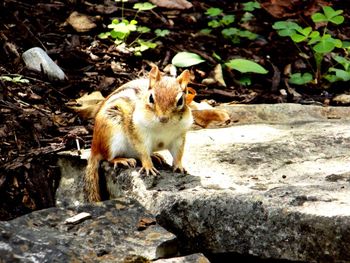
204,114
172,4
343,99
204,118
87,105
145,222
215,77
289,8
81,22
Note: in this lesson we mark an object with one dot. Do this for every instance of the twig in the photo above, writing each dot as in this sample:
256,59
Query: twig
16,140
30,32
162,18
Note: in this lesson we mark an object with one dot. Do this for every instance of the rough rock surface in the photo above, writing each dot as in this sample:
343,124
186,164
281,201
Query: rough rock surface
194,258
276,190
116,231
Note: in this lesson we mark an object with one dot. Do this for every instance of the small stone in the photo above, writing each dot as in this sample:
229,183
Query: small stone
78,218
37,60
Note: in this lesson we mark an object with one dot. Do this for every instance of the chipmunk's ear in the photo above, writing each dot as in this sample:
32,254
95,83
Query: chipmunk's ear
154,76
184,79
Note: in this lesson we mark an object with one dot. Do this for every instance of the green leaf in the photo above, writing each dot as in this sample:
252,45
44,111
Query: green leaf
314,34
143,29
147,44
342,61
297,38
214,24
213,11
285,28
247,17
227,20
104,35
318,17
314,38
205,31
245,81
337,20
247,34
245,66
5,78
327,44
15,79
340,75
331,78
305,31
144,6
346,44
229,32
115,21
217,57
19,79
300,79
143,46
123,26
161,32
186,59
302,35
119,35
330,15
118,42
132,22
250,6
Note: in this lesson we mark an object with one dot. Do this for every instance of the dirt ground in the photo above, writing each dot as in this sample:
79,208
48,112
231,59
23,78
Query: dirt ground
35,120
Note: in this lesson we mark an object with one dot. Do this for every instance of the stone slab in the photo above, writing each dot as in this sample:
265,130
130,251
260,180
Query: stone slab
279,190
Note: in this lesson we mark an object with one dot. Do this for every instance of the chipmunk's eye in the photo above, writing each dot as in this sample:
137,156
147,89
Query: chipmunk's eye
151,99
180,101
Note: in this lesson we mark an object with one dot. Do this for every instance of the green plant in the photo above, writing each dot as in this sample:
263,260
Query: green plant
320,41
220,21
14,79
245,66
336,74
251,6
121,29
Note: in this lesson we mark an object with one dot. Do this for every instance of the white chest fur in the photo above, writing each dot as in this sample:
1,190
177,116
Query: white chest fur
160,136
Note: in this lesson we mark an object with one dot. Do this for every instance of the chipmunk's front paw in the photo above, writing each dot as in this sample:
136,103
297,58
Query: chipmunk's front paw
147,170
179,169
127,162
158,159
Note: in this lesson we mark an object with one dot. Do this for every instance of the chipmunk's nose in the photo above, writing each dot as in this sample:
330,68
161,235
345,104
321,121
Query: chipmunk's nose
163,119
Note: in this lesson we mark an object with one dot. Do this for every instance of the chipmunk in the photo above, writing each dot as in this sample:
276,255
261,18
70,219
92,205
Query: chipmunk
137,119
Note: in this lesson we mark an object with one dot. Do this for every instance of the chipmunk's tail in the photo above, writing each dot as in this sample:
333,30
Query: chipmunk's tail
92,180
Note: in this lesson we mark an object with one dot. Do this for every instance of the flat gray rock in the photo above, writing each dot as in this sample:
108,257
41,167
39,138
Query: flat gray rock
278,190
115,231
